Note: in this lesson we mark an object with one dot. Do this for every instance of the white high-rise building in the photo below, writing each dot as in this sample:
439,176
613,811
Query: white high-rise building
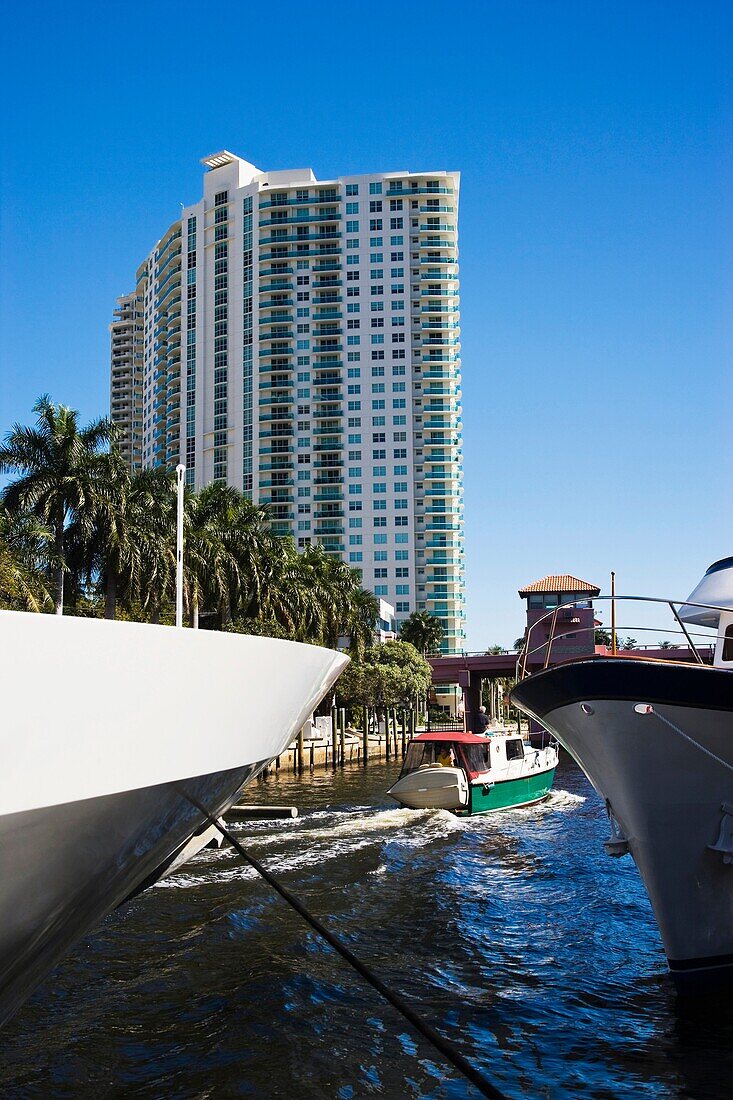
300,339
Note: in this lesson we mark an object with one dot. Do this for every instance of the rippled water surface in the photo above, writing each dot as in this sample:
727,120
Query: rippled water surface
513,934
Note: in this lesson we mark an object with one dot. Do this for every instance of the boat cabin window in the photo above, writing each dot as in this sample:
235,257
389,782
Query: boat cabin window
728,644
477,758
426,752
514,749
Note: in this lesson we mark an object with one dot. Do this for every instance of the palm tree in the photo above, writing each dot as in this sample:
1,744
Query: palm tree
423,630
219,533
60,470
22,545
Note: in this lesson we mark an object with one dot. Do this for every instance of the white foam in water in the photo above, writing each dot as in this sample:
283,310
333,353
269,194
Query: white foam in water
327,835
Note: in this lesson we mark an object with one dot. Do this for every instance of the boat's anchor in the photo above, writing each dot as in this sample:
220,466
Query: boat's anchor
724,843
617,845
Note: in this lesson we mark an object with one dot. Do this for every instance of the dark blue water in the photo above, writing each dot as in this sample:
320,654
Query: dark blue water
514,935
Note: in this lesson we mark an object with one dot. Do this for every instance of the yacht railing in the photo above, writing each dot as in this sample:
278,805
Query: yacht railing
528,651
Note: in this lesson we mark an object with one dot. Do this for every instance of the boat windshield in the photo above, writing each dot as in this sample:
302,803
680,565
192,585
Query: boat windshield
428,752
474,758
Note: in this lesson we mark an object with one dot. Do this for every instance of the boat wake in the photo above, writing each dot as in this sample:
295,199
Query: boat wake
331,835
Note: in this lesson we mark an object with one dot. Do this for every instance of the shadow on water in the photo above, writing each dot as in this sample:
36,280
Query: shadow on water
514,934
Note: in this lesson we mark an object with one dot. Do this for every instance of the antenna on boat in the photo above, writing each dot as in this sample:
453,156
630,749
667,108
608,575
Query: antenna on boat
613,613
180,481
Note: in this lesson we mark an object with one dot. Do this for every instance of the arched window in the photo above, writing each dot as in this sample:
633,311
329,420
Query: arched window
728,644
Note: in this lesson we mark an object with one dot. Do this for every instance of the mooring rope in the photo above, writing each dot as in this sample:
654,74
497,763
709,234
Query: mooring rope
448,1050
692,741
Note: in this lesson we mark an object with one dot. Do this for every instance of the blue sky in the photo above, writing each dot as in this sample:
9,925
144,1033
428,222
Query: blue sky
595,234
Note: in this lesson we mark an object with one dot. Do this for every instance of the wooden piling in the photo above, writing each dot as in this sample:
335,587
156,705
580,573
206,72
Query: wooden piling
334,738
386,733
342,735
300,751
365,734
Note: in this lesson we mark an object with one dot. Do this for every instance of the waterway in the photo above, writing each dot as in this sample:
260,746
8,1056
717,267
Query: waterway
514,935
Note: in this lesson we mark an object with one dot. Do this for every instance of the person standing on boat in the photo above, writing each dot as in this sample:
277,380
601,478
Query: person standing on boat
482,721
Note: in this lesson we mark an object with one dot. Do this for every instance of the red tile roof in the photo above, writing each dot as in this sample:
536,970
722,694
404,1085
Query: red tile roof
563,583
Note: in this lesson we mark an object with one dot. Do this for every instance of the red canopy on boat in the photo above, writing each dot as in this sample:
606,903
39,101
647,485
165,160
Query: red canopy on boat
460,737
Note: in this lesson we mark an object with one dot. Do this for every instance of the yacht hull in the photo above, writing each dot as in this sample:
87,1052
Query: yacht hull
656,741
119,739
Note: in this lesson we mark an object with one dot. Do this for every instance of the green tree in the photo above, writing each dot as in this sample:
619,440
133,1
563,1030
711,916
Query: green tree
23,542
60,467
422,630
391,674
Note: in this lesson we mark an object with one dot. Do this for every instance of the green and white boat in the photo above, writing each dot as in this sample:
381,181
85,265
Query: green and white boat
469,774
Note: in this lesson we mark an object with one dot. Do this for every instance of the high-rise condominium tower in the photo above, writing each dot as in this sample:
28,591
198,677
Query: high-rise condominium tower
300,340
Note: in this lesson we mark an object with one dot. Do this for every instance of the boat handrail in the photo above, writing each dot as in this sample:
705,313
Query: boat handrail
526,651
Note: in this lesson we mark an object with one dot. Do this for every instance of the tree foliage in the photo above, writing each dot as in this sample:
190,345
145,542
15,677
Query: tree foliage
424,631
392,674
80,532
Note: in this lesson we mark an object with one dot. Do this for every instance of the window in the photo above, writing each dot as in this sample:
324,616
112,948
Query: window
380,487
354,471
375,188
355,523
354,505
375,224
379,471
380,521
356,556
404,590
380,505
402,607
395,243
352,227
352,207
728,644
352,188
381,589
400,521
380,573
355,540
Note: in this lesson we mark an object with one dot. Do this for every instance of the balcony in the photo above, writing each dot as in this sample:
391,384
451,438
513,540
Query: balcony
299,238
327,380
300,219
326,495
316,197
398,192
